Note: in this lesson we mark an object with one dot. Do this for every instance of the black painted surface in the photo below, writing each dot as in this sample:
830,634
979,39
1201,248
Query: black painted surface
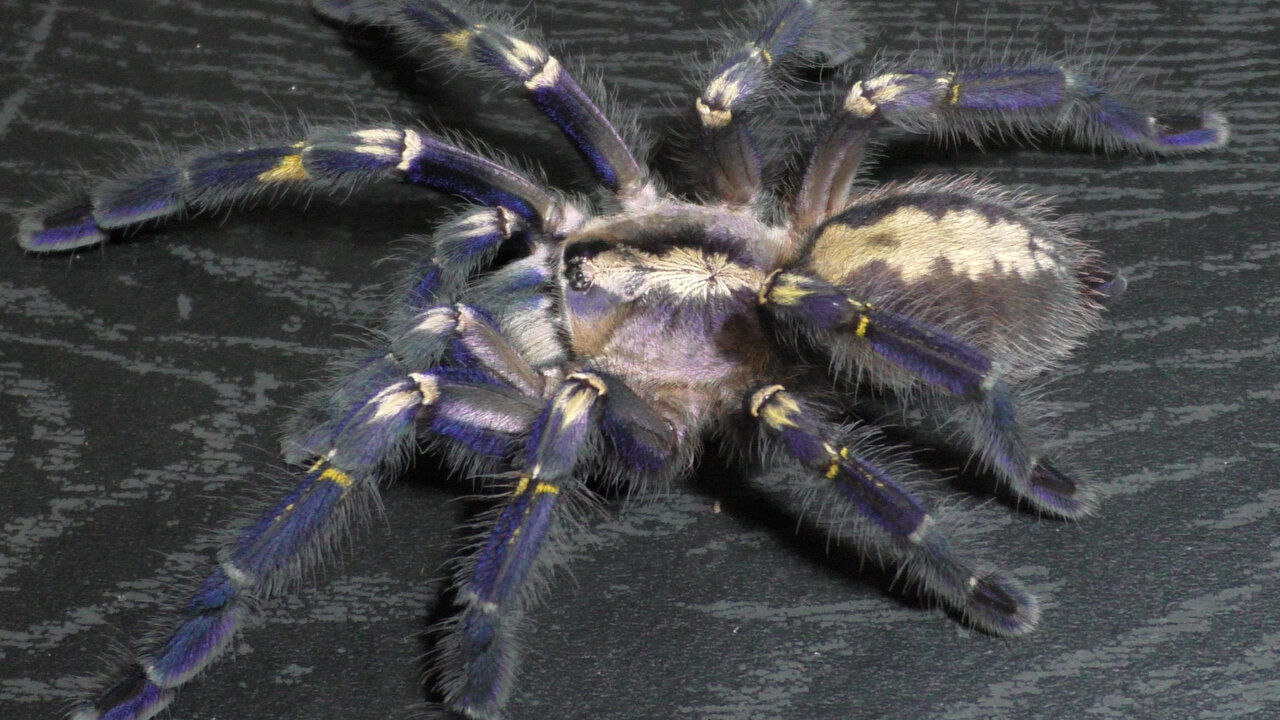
143,385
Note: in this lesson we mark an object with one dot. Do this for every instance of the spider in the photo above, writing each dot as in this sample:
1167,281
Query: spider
553,345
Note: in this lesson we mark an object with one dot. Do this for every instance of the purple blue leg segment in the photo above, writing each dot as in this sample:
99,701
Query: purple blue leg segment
367,438
1018,100
262,558
486,46
892,517
935,356
495,586
944,361
329,160
1029,99
476,365
787,33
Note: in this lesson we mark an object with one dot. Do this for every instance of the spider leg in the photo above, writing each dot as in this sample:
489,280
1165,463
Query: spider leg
478,363
468,38
273,550
488,340
326,160
833,164
459,249
360,430
488,346
821,310
515,298
832,319
479,419
479,649
895,520
510,296
479,400
1016,100
785,33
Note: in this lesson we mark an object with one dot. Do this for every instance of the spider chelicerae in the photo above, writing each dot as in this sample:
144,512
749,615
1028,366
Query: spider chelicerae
549,344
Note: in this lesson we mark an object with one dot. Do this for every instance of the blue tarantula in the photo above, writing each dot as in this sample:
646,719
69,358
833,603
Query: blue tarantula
547,341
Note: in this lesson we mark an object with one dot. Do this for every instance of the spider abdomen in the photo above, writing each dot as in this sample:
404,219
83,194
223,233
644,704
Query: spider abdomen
986,265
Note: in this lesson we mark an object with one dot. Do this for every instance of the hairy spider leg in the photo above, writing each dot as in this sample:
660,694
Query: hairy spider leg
833,165
811,303
477,417
492,339
1011,450
326,160
494,586
421,330
267,554
473,353
511,297
785,34
824,312
895,520
643,443
458,249
1018,100
480,399
468,38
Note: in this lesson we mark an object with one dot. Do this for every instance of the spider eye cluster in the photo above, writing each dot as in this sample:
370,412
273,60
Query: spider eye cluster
577,276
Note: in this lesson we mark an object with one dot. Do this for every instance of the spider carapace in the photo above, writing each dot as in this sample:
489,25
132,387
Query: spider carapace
546,340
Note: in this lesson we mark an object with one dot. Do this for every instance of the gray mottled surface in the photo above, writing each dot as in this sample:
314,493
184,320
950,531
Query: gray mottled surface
142,385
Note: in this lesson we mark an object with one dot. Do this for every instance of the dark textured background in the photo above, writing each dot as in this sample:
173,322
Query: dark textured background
142,386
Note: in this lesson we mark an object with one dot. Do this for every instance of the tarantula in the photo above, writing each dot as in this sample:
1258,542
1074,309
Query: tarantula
548,340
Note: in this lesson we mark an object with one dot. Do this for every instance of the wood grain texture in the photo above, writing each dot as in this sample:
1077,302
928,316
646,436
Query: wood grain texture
142,385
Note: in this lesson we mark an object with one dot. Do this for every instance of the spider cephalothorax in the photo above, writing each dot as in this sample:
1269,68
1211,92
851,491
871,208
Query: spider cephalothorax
666,299
543,341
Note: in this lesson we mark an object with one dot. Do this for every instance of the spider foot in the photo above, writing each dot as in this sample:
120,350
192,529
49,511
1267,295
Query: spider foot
135,697
1055,493
989,600
1101,283
68,227
999,605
